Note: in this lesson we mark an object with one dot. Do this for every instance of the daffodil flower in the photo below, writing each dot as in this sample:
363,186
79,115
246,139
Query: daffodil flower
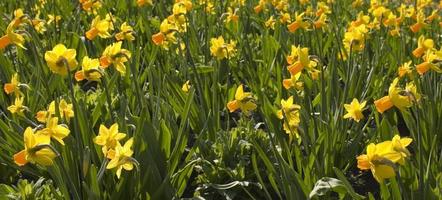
423,45
60,59
243,101
394,98
36,149
55,130
13,86
290,112
100,27
354,110
121,157
220,49
186,86
381,158
18,106
115,55
90,70
108,138
126,33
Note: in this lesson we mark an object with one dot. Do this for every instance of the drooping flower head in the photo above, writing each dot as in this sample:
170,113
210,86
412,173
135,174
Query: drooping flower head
36,150
60,59
115,55
243,101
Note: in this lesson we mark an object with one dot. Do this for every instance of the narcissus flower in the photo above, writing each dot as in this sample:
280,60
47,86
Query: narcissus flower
394,98
354,38
18,106
65,109
108,138
100,27
186,86
13,86
90,70
420,22
405,69
432,60
299,22
60,59
126,33
11,37
36,150
166,36
91,6
270,23
290,113
293,81
243,101
231,15
121,157
422,46
220,49
54,18
55,130
381,158
115,55
354,110
39,25
144,2
299,59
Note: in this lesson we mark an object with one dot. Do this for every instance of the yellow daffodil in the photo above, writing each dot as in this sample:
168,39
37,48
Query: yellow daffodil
420,22
432,59
91,6
186,86
65,109
243,101
55,130
381,168
298,23
285,18
293,81
115,55
90,70
18,106
52,18
231,16
60,59
144,2
354,110
290,113
270,23
381,158
100,27
354,38
39,25
166,36
126,33
394,98
321,21
220,49
36,149
13,86
121,157
299,59
260,7
11,37
108,138
404,69
423,46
